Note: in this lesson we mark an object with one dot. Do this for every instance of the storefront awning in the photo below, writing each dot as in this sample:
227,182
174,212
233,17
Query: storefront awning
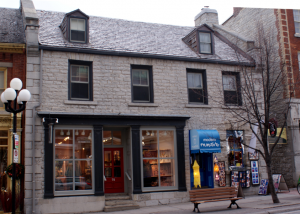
205,141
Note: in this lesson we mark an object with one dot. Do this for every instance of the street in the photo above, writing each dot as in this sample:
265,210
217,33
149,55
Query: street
289,204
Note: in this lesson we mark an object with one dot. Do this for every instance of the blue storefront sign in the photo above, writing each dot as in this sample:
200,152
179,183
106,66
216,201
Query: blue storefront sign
205,141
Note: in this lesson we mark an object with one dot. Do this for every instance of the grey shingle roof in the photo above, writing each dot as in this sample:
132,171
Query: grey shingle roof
11,26
128,36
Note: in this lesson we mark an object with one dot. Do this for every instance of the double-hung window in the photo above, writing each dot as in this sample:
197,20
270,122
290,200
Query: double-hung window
297,21
77,30
141,83
231,87
196,80
205,42
80,80
73,161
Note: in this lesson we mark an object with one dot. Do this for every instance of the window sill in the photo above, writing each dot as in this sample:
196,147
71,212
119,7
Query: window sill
142,105
78,102
297,35
197,106
232,107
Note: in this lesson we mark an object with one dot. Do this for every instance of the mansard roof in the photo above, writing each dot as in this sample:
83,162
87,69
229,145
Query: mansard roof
123,36
11,26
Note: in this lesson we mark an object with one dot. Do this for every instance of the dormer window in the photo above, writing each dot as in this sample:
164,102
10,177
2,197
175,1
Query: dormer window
77,30
75,27
205,43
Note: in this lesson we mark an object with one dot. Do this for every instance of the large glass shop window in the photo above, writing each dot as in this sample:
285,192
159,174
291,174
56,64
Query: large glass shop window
235,147
73,161
158,159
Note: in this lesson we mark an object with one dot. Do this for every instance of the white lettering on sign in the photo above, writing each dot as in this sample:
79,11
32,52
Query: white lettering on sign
210,144
210,139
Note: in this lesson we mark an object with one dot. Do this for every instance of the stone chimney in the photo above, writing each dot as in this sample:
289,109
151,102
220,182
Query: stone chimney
207,16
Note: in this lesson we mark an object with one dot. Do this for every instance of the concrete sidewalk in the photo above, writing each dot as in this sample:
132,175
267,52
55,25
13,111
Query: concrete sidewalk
251,204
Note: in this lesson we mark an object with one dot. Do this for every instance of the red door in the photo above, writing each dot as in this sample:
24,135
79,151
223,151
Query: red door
113,170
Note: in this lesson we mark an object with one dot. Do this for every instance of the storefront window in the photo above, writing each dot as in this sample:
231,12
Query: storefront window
73,161
235,149
158,155
112,137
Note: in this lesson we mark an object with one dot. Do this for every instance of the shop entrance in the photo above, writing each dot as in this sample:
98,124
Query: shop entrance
113,170
205,161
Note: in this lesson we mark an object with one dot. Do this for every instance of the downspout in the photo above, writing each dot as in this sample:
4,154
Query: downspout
33,133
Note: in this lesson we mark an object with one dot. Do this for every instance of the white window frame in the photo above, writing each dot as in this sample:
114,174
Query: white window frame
74,192
297,22
141,85
205,43
226,75
85,33
88,82
190,72
159,188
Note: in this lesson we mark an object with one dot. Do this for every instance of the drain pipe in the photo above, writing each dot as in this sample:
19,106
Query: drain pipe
33,133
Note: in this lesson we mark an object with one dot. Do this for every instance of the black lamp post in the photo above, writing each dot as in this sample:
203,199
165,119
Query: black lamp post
7,97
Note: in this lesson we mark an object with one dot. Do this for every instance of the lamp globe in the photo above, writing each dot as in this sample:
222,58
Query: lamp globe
16,84
10,94
24,95
3,100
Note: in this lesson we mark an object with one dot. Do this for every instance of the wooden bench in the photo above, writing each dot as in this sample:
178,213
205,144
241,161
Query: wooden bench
200,196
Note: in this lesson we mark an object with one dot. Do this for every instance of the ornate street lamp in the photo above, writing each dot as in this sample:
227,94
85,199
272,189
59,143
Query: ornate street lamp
7,97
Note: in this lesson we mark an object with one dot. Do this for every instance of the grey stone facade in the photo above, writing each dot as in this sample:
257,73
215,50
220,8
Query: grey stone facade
112,95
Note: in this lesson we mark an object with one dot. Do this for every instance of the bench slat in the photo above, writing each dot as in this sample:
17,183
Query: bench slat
225,199
213,197
213,192
225,189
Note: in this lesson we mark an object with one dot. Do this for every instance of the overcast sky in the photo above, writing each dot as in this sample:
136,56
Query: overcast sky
174,12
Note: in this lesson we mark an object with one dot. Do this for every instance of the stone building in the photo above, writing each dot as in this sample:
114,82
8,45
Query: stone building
285,27
12,64
113,106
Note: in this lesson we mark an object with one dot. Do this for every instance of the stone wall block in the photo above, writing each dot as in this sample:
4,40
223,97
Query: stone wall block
151,203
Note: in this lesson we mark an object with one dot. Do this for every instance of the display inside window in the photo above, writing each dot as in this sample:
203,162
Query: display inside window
158,158
254,172
73,159
222,175
112,137
235,149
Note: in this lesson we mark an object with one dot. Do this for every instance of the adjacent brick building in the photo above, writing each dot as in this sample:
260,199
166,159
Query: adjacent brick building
12,64
285,25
